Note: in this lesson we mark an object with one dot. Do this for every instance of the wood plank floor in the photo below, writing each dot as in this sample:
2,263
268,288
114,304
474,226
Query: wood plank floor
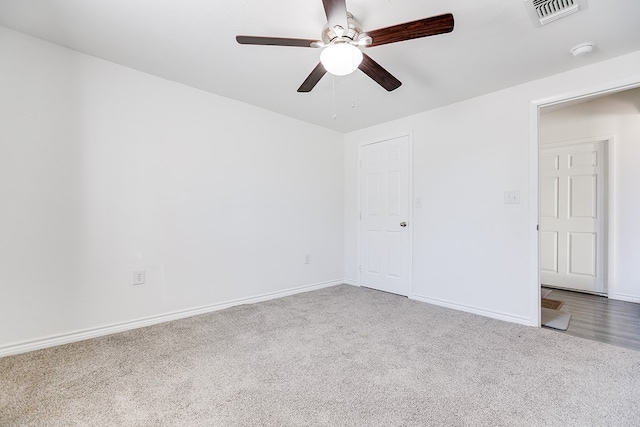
600,319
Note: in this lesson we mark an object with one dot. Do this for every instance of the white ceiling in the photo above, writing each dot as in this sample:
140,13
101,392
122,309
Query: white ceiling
494,45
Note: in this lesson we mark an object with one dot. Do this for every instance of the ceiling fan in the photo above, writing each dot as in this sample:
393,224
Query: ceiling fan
342,38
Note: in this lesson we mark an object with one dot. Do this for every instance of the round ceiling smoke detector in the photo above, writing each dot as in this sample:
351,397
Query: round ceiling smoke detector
582,49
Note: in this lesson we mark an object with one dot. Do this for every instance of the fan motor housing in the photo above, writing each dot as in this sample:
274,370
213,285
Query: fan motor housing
352,33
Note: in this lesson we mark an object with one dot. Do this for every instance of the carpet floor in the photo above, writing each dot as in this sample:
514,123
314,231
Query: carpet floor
341,356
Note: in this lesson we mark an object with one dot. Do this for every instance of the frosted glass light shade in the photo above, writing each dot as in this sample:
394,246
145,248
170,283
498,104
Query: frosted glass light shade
341,59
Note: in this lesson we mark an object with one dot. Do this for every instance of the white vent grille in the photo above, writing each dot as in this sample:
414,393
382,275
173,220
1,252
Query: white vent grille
552,10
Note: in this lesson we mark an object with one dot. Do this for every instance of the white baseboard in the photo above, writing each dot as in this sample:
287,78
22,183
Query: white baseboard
474,310
52,341
350,282
624,297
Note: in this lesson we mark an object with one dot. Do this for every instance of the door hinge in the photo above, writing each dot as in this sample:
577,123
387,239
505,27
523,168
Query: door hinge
360,215
538,227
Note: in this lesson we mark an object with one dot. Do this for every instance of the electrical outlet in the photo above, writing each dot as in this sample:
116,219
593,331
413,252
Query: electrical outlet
307,259
511,197
138,277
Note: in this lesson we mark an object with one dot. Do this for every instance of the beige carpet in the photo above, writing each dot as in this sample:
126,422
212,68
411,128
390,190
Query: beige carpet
341,356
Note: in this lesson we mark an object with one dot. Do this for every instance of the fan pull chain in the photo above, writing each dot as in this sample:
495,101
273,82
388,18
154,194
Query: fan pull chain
334,116
353,92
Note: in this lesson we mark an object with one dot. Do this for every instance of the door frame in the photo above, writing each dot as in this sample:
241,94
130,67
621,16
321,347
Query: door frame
534,183
409,136
608,144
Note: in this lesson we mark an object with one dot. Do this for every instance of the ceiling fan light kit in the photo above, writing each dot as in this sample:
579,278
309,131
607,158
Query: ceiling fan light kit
341,59
342,38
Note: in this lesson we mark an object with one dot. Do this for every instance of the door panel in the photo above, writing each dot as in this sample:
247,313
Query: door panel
572,216
583,196
549,251
384,201
549,197
394,254
582,252
588,158
373,253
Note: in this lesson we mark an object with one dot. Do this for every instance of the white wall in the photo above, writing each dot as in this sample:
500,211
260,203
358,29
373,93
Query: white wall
471,251
618,116
105,170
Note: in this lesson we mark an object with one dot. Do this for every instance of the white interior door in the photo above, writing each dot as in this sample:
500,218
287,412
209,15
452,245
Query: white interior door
572,239
384,217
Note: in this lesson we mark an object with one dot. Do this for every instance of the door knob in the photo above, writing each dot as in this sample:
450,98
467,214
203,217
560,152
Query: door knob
403,224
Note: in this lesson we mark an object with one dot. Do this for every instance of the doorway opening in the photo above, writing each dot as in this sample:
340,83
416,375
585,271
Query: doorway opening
584,253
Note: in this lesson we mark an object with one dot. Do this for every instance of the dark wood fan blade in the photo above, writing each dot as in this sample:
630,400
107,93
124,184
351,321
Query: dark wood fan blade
276,41
336,11
313,78
381,76
412,30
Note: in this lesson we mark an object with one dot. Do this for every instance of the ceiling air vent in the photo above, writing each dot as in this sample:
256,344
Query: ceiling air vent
546,11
